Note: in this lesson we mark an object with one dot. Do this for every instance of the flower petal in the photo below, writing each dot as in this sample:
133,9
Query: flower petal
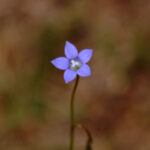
84,71
69,75
85,55
70,50
61,63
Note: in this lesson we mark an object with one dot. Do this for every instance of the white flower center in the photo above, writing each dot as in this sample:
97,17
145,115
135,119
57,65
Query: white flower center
75,64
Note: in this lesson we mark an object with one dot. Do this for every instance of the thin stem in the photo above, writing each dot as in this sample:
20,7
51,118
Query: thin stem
87,132
72,114
82,127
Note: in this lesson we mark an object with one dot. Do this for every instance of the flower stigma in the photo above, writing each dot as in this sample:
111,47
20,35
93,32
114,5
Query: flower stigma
75,64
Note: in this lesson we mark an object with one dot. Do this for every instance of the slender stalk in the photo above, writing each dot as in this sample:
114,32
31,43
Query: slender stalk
87,132
72,127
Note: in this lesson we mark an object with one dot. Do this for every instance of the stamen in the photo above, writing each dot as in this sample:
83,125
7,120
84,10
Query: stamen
75,64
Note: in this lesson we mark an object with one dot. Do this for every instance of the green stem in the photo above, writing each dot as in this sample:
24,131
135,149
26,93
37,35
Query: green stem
72,114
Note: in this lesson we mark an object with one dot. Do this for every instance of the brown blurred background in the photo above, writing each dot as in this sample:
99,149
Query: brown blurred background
114,103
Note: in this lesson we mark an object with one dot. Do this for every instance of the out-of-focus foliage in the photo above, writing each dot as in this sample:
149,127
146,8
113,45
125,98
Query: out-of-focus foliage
34,100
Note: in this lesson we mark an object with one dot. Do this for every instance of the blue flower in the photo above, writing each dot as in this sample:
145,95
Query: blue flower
74,64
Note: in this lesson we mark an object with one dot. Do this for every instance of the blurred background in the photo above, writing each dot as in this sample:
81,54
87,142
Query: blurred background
114,103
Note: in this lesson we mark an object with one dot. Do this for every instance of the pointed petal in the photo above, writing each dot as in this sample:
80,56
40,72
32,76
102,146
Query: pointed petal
84,71
70,50
69,75
61,63
85,55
